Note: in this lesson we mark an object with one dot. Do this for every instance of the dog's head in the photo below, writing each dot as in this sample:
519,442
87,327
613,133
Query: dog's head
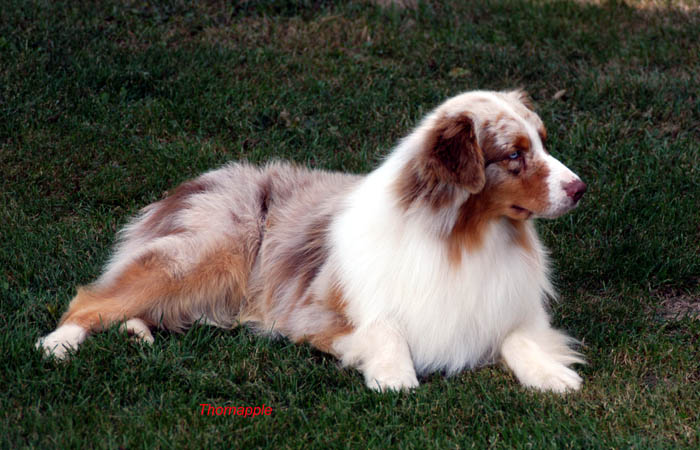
490,145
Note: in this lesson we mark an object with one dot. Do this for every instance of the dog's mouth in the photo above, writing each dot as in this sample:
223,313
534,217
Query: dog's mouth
520,211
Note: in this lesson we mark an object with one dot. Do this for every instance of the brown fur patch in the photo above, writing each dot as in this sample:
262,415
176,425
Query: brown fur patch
528,190
265,192
160,222
524,98
453,153
542,132
411,186
451,160
303,261
145,290
521,142
340,326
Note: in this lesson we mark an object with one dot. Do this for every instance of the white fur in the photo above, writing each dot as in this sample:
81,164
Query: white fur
394,271
539,358
138,329
62,340
381,353
559,176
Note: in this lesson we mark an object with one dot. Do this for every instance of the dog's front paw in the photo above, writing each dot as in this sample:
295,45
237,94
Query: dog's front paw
392,381
539,359
60,342
558,379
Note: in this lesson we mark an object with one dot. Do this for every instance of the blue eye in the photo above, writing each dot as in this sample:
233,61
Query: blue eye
514,155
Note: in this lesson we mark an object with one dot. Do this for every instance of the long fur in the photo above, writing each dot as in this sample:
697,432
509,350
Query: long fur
429,263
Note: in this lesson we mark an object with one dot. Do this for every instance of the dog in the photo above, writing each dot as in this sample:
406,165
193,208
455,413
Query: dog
429,263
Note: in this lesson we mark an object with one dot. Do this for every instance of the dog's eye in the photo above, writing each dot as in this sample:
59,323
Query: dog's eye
514,155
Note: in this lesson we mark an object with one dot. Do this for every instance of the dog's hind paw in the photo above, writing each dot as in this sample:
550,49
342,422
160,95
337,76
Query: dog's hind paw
137,329
61,341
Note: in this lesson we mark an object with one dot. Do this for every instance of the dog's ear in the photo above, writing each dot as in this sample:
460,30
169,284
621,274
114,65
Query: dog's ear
453,154
523,97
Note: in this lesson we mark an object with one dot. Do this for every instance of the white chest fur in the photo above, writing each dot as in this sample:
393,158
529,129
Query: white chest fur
452,316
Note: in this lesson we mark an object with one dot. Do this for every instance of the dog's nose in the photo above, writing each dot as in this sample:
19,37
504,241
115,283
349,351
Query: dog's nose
575,190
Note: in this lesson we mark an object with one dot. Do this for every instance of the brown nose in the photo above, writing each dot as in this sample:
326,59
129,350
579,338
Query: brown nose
575,190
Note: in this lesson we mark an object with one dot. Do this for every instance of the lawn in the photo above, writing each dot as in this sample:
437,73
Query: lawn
106,105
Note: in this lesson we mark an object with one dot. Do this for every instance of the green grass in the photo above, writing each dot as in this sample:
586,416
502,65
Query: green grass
105,105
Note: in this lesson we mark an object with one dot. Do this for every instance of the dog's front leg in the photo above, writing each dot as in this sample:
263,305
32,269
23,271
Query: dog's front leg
539,358
382,354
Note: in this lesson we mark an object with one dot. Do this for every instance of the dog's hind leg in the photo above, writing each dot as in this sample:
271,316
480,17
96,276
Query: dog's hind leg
127,297
68,337
185,258
147,293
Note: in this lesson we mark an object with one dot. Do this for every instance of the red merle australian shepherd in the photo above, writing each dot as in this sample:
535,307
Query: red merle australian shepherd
429,263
